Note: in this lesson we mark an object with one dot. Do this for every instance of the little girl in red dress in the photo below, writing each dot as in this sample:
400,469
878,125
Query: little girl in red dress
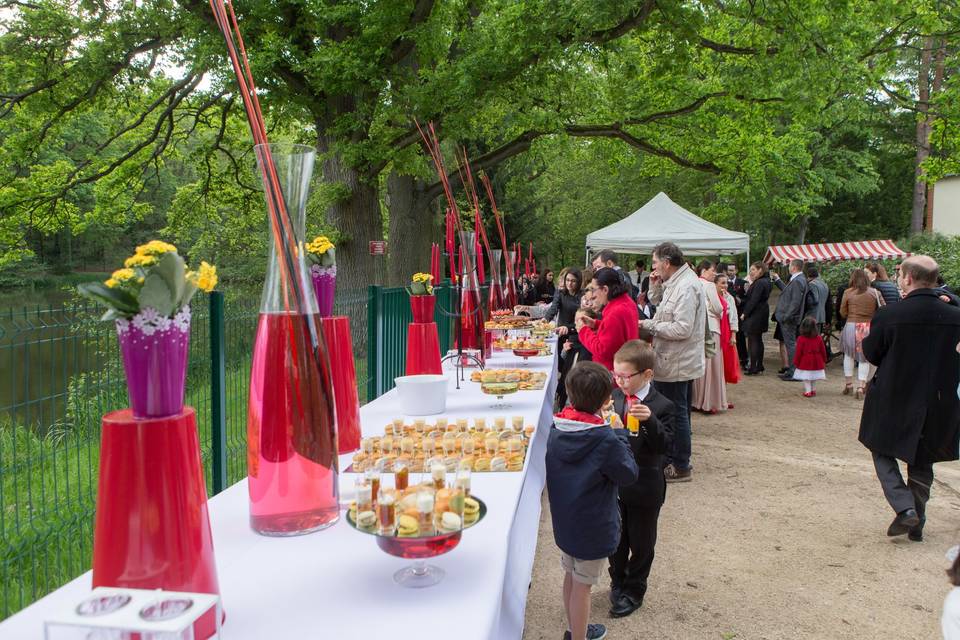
810,357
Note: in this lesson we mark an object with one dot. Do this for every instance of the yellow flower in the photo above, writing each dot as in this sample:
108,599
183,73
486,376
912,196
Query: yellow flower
205,278
110,282
123,275
140,260
155,248
320,245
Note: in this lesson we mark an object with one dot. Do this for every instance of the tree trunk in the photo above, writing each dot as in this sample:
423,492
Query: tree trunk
923,136
357,217
412,228
934,90
802,226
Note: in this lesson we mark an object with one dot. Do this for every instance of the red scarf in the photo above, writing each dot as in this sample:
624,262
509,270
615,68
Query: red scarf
569,413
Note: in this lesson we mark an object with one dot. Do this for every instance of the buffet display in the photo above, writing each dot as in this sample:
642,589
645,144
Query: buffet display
444,447
523,379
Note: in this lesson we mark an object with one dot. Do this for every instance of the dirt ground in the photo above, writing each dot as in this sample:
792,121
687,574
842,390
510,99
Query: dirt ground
781,534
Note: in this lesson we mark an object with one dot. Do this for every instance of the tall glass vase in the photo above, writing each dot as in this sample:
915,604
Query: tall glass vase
471,312
510,281
291,432
495,300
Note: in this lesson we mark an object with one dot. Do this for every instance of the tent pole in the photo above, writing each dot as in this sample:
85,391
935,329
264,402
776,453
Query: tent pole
747,266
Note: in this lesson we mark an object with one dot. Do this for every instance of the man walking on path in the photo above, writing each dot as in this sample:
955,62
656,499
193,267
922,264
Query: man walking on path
678,329
789,311
912,412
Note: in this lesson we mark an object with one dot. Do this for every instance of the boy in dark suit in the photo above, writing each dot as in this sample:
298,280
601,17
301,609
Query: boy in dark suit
648,416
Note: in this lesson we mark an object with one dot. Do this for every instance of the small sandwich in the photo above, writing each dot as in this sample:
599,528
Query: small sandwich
482,463
407,526
515,463
498,463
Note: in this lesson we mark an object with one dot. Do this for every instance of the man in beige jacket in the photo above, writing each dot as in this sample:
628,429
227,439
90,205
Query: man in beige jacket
678,329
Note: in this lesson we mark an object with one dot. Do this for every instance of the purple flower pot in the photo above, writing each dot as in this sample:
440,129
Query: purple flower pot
154,351
325,286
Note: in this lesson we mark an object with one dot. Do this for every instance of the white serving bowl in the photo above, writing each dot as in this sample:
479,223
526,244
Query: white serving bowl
424,395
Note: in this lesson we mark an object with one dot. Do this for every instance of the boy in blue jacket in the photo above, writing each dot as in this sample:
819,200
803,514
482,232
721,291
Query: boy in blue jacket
586,461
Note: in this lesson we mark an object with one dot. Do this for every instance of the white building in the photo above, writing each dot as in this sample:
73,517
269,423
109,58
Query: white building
946,205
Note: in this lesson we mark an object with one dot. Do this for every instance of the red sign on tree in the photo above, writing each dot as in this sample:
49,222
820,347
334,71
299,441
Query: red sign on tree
378,247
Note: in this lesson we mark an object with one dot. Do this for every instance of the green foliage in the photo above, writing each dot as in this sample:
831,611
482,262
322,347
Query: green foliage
944,249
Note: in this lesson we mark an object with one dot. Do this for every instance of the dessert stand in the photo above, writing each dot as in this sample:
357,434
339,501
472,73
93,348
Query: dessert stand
418,548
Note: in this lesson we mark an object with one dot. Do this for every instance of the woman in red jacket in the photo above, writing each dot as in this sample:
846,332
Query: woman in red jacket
619,323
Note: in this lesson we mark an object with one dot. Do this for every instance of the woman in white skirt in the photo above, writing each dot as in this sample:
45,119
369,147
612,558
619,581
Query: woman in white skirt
710,390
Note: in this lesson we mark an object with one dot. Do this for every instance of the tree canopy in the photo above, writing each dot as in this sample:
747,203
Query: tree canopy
790,120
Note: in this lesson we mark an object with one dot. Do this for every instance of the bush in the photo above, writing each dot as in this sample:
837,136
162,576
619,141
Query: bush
944,249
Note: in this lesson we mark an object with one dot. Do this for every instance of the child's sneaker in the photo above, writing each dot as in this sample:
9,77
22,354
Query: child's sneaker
809,394
594,632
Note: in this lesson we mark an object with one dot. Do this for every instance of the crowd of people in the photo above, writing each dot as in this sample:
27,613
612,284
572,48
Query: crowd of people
642,350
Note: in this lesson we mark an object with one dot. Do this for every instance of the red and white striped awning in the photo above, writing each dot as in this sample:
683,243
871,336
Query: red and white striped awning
835,251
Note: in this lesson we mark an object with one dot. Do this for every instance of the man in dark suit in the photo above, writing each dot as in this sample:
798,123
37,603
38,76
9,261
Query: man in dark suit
639,405
912,412
738,289
789,311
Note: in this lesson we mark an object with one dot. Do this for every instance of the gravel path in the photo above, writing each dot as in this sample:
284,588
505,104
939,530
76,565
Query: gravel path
781,534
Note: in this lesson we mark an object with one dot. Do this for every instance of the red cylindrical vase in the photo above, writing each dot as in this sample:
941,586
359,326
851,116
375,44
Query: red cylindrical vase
152,528
336,333
422,308
423,349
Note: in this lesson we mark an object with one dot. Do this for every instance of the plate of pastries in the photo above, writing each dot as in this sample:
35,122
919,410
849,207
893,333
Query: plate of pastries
526,380
482,446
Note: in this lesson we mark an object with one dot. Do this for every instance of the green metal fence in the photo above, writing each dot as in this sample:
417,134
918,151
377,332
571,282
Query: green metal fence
60,372
388,314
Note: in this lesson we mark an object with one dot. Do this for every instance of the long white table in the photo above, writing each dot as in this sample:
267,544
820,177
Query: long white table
338,584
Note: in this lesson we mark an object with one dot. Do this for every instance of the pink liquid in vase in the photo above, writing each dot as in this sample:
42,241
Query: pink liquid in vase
291,434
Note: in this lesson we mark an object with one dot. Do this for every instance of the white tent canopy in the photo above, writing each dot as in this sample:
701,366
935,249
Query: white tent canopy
661,220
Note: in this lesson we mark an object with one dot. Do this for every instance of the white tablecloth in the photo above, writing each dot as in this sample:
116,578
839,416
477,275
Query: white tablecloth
338,584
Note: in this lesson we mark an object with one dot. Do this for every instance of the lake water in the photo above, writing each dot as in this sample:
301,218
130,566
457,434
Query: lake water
40,351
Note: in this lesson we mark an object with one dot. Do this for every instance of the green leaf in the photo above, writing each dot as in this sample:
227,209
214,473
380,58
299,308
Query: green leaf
172,270
116,299
155,293
188,290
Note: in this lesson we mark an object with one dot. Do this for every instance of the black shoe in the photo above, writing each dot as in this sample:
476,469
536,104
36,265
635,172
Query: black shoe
748,372
916,533
905,520
787,377
615,594
782,370
625,606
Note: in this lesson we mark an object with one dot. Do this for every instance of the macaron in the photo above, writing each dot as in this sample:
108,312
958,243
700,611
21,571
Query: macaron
366,519
407,526
471,511
450,521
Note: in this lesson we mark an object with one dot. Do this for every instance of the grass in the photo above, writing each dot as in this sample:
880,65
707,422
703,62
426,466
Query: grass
48,482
